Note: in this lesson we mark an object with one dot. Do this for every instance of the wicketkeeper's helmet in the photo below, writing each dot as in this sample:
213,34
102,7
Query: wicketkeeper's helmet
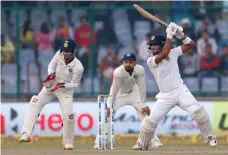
69,45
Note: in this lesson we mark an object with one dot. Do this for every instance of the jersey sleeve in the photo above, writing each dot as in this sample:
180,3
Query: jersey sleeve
176,52
142,86
76,78
52,65
115,86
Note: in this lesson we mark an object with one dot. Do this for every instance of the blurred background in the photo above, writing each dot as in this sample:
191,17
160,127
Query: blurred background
31,33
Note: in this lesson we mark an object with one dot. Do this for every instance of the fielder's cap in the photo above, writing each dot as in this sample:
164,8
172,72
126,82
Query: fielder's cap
129,56
157,39
68,45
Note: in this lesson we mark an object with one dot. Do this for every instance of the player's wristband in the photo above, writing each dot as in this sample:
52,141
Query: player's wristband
187,40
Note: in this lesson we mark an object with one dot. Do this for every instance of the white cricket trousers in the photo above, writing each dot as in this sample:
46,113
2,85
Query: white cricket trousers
133,99
181,97
65,100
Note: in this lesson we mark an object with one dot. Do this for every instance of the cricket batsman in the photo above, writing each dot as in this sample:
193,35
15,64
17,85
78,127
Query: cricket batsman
128,88
173,92
65,72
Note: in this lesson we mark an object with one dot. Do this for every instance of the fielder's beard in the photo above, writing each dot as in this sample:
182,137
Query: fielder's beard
129,69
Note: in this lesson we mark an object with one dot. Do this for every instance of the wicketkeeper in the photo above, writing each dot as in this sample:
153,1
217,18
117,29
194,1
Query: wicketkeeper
65,72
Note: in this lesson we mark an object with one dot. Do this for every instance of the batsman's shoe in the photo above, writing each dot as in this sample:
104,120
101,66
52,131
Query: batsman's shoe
155,143
138,146
68,147
212,141
25,138
95,146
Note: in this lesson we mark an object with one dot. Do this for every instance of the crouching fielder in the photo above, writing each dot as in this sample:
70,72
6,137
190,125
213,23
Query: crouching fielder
173,92
65,72
128,88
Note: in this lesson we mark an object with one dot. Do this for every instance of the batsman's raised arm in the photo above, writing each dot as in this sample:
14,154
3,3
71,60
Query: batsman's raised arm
188,44
165,51
160,47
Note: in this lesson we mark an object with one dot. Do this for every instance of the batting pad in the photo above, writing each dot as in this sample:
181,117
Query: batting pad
202,119
146,132
33,112
68,129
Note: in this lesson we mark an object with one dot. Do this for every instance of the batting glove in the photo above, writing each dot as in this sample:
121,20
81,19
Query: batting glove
174,25
179,33
171,31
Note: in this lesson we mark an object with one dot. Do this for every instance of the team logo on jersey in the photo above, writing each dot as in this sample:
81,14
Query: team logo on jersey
70,70
153,37
135,76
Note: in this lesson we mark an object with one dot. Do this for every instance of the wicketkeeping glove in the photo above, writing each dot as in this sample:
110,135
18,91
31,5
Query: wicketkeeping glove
57,86
49,81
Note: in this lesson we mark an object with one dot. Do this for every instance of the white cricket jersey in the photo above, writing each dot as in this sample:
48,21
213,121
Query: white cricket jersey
166,73
124,83
70,74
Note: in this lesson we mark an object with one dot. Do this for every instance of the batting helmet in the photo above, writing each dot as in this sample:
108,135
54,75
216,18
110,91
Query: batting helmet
157,39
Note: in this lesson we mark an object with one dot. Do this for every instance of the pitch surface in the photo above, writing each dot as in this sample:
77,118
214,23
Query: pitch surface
54,149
